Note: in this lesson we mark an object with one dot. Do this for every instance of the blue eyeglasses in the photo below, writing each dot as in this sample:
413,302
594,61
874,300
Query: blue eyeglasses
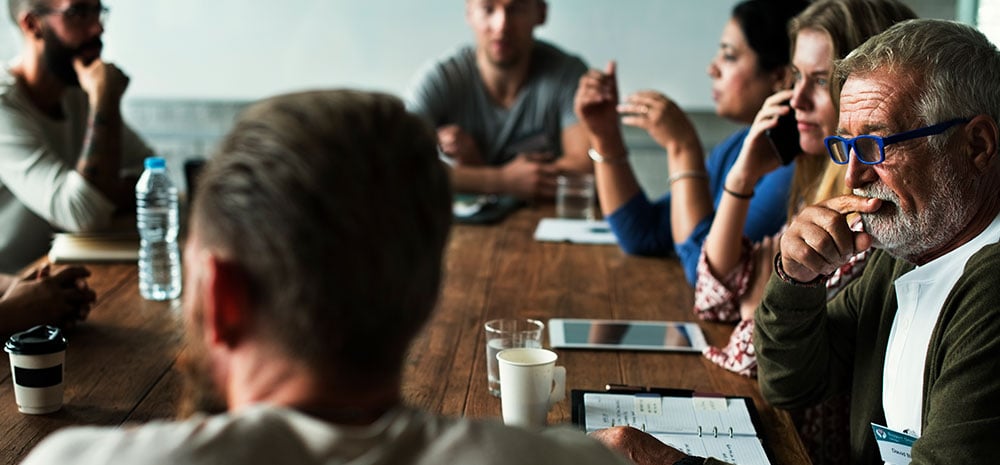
79,14
870,150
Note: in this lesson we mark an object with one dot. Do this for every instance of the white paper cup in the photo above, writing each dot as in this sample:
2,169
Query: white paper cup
37,365
531,384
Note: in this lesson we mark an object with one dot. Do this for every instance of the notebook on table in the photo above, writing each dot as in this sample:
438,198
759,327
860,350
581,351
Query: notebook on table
705,425
95,247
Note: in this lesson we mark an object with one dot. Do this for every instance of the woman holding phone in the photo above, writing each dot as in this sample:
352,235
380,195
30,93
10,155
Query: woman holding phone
733,269
751,64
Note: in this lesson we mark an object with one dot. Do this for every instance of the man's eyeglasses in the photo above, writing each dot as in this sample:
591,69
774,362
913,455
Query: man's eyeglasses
79,13
870,150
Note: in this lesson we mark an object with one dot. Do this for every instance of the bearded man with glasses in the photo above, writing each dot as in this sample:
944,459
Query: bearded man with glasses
914,340
67,160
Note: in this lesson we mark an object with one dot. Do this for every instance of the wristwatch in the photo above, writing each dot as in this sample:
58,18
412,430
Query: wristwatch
691,460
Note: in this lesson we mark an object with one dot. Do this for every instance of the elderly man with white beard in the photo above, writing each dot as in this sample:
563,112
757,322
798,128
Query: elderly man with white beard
915,339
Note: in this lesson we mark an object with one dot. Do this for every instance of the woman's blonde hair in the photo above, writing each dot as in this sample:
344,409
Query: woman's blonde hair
848,24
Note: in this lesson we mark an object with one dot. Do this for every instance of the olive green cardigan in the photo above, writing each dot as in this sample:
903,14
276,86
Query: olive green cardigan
809,349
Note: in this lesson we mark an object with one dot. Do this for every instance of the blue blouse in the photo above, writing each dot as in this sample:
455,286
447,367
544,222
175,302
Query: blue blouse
643,227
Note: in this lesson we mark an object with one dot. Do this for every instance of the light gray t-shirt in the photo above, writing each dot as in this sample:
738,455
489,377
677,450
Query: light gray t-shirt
40,190
451,91
268,435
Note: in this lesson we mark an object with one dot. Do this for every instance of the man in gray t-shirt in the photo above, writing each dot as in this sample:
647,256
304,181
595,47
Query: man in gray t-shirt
504,107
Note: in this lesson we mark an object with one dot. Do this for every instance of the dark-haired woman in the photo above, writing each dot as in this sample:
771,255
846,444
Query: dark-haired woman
751,64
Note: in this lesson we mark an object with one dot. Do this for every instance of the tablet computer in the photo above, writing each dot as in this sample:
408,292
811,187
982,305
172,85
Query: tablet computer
571,333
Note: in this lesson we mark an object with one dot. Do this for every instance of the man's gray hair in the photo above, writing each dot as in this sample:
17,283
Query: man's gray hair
954,66
16,7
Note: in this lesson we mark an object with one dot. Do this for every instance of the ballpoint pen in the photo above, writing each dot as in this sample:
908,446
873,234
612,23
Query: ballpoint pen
624,387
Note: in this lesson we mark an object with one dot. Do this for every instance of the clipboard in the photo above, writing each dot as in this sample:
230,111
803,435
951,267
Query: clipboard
740,442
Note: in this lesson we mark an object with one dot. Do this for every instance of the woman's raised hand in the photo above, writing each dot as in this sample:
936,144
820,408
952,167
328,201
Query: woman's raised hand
665,122
758,155
595,102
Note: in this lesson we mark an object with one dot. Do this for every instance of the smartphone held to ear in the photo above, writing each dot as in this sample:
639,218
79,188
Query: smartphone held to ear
785,137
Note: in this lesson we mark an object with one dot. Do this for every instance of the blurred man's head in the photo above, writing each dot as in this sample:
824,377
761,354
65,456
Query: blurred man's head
505,29
923,74
317,231
65,30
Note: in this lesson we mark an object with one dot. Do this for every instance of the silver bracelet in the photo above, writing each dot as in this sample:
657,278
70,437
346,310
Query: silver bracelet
597,157
687,174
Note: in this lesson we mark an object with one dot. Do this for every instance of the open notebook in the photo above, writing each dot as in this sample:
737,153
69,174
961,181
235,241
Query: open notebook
705,426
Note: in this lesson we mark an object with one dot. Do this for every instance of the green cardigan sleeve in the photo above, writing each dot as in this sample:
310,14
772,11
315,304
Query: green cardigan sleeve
809,349
961,405
800,345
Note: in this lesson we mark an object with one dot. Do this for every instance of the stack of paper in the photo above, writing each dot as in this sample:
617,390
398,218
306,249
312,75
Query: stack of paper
575,231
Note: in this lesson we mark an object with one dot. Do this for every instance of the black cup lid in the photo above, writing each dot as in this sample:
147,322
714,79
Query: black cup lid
40,340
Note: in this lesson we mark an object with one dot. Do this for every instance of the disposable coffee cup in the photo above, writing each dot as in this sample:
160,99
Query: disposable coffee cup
37,366
531,383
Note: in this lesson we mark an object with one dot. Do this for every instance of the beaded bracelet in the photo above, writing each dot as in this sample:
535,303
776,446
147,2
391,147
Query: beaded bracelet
737,194
687,174
817,282
597,157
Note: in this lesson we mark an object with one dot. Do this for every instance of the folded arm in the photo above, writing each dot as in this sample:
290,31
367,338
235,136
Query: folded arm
46,185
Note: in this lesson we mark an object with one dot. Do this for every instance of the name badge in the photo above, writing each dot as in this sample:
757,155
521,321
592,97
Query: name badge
893,445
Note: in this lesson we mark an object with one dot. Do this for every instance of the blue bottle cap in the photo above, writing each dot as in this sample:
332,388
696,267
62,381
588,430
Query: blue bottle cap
40,340
155,162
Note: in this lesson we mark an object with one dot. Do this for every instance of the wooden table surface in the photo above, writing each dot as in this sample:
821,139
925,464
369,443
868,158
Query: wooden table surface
120,365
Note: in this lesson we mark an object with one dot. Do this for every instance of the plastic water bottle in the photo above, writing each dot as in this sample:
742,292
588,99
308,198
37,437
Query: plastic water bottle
157,220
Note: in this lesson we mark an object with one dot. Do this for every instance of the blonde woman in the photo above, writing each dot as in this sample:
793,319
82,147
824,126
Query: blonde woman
751,64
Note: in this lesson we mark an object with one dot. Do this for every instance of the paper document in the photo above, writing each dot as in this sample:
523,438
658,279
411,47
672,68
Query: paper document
575,231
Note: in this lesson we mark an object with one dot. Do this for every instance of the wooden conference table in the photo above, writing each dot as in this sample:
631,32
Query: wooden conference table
120,365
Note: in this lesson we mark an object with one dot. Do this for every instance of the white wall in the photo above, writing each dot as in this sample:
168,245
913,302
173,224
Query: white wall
235,49
239,49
